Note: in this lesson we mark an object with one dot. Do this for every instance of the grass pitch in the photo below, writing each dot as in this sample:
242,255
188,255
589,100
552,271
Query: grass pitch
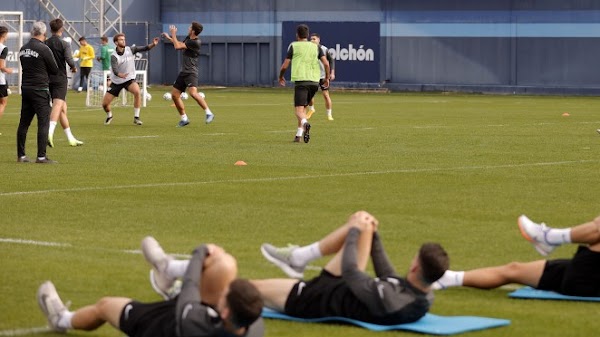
458,169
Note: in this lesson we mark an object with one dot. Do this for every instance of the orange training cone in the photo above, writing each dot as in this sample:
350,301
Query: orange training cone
566,114
240,163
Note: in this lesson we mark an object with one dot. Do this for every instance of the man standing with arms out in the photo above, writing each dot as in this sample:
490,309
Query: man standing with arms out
188,76
122,76
304,57
315,38
59,83
104,57
86,61
38,63
3,70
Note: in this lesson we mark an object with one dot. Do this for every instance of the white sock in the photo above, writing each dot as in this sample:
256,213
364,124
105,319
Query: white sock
558,236
52,127
136,112
109,114
303,121
177,268
184,117
450,279
208,112
69,134
329,112
299,132
311,107
303,255
64,321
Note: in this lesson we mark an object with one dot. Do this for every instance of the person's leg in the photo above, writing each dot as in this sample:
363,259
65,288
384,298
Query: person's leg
294,259
134,89
545,239
209,116
64,122
106,101
274,292
328,104
3,103
27,114
57,106
42,108
91,317
527,273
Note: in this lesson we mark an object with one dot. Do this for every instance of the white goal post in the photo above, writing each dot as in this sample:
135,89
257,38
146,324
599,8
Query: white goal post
14,22
98,85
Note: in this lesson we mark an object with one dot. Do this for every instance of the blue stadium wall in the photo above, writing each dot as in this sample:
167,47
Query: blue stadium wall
549,46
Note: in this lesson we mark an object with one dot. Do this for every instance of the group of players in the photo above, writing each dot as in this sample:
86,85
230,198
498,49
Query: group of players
204,297
47,76
44,80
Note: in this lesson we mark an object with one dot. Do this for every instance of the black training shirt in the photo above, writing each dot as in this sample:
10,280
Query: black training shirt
38,63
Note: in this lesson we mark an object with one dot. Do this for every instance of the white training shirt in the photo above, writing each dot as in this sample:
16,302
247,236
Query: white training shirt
2,74
125,64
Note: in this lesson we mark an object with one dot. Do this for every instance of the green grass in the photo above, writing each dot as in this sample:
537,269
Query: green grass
457,169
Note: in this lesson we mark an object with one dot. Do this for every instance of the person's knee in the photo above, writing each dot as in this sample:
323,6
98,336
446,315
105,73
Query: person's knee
513,269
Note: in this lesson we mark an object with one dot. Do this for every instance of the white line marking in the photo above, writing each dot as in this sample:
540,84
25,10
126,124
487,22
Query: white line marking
134,137
23,332
272,179
33,242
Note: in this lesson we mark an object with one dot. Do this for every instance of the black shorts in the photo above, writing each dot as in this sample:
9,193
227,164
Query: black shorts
3,90
322,86
579,276
58,90
185,80
115,89
148,319
304,92
325,296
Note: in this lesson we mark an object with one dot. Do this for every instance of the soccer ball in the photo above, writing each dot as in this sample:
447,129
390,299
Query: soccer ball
167,96
184,95
100,88
8,91
148,96
202,94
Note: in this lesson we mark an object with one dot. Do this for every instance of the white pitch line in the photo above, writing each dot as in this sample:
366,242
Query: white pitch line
23,332
274,179
134,137
33,242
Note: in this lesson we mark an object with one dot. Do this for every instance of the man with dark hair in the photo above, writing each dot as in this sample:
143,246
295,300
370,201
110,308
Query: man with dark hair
343,289
38,63
122,76
304,57
105,53
188,76
578,276
86,61
212,301
59,83
3,70
316,38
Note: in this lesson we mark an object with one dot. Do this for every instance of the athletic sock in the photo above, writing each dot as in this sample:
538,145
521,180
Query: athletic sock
558,236
303,121
69,134
109,114
299,132
177,268
451,279
52,127
136,112
329,112
207,111
311,107
64,320
301,256
184,117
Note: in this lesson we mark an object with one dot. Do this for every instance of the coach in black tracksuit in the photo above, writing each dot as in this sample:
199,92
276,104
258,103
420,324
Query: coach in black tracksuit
37,62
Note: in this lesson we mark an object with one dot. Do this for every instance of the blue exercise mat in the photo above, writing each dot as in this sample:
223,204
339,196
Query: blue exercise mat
430,324
528,292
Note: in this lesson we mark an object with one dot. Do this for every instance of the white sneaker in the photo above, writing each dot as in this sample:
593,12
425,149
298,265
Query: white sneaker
51,305
598,130
80,89
536,234
155,255
281,258
209,118
75,142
